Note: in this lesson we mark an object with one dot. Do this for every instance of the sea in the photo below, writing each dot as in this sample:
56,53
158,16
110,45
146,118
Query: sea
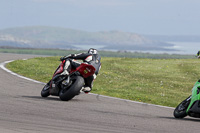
186,48
183,48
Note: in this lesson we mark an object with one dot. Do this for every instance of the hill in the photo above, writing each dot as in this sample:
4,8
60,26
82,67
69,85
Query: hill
174,38
55,37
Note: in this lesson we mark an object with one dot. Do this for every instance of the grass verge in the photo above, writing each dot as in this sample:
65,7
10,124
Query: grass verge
60,52
158,81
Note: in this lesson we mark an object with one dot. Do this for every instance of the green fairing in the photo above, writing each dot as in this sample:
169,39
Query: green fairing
195,96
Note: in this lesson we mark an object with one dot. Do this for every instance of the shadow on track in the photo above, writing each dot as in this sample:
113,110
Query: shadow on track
39,97
47,98
183,119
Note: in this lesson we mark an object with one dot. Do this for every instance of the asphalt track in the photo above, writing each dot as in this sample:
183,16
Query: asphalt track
22,110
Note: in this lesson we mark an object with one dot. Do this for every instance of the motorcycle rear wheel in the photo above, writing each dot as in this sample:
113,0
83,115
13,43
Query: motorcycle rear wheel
180,110
77,84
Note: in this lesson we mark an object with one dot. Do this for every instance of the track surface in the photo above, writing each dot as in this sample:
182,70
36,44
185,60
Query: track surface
22,110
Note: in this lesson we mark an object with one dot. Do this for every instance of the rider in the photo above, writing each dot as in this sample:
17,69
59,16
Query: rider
91,57
198,54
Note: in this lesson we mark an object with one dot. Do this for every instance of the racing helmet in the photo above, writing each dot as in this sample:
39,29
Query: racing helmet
92,51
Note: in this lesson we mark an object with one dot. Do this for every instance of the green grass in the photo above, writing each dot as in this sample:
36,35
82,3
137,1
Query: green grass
59,52
158,81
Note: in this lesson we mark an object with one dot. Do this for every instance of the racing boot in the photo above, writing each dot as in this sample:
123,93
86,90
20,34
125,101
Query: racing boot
86,89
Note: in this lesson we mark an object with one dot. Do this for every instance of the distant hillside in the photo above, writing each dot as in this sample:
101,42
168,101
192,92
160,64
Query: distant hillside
54,37
174,38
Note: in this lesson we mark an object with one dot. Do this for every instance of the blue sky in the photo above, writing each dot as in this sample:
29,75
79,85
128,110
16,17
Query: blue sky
160,17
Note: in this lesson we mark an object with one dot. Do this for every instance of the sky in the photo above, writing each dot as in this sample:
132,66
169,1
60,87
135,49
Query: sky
151,17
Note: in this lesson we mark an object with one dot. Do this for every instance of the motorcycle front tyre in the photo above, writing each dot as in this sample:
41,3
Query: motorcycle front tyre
78,83
45,90
180,110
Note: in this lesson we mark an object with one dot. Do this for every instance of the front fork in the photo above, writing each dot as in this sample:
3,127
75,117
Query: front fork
55,84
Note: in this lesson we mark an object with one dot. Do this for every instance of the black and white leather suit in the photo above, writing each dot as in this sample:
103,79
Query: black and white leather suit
92,59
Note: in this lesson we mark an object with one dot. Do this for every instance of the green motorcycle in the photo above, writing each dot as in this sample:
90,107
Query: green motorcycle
191,105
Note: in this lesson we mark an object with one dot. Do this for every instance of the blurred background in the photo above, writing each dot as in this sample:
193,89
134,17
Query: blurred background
154,26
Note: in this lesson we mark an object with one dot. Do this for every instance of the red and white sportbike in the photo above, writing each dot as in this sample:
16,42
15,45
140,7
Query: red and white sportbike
67,87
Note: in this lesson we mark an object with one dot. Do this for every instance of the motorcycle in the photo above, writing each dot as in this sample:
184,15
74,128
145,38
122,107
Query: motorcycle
197,56
191,105
67,87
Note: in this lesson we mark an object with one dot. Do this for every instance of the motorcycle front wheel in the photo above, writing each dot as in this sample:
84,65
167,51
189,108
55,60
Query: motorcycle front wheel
73,90
45,90
180,110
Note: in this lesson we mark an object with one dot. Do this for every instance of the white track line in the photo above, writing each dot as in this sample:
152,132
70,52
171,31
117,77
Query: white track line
2,65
